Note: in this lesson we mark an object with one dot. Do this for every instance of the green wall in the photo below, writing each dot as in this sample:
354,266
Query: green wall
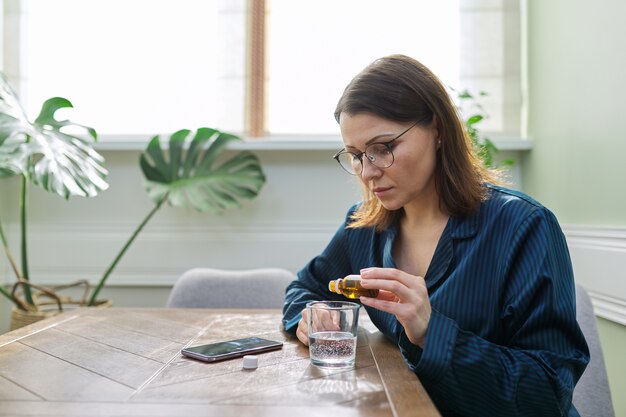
577,120
577,110
613,337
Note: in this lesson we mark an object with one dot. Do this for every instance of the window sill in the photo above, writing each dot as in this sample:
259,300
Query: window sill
287,143
273,143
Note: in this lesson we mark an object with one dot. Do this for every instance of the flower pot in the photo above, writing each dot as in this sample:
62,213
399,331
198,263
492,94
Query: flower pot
21,318
55,303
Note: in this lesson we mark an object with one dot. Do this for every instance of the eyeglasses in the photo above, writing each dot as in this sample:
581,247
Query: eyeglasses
379,154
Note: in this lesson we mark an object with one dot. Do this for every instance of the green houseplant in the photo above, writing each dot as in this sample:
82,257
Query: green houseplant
192,177
189,173
41,153
474,113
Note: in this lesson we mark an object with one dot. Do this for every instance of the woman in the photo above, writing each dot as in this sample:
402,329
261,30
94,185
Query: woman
476,284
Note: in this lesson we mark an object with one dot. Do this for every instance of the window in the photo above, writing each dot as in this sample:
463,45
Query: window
316,47
130,66
144,67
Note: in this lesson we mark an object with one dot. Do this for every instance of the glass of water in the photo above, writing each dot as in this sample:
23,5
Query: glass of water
332,333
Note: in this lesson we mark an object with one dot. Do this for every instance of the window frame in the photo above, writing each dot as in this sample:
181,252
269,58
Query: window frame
255,116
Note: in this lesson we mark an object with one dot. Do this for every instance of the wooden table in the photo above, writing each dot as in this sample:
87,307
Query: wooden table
127,362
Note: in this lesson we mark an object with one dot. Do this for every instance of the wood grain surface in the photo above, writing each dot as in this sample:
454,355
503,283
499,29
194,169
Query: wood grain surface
127,362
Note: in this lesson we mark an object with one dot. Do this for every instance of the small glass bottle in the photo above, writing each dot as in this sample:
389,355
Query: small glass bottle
350,287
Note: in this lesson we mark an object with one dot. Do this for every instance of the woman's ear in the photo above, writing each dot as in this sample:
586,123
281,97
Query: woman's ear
434,124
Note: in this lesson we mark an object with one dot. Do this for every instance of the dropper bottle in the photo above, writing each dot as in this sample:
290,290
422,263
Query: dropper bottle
350,287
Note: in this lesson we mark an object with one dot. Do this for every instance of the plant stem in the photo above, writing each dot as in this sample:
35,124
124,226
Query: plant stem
18,303
25,276
92,300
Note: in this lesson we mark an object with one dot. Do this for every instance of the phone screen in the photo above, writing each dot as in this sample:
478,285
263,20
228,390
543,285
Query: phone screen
231,349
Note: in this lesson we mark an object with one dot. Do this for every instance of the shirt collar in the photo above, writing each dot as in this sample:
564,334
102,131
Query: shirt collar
458,227
463,227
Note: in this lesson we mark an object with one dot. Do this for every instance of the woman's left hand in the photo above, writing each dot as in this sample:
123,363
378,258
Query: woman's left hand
403,295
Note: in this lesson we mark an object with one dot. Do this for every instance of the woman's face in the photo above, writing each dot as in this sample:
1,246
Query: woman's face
411,178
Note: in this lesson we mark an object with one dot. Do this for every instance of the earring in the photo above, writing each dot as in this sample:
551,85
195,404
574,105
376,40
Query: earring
439,144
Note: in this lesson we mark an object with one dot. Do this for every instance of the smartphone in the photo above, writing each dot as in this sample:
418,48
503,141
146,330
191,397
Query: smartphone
231,349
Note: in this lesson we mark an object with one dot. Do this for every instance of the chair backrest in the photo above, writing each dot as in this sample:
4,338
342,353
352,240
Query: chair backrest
217,288
592,397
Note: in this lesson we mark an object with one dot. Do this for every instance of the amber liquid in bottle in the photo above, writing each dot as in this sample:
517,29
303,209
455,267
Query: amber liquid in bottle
350,287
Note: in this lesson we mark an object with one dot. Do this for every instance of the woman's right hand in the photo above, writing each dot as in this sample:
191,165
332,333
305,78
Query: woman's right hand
323,320
303,328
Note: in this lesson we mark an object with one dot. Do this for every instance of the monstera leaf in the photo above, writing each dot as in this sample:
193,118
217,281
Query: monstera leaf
59,162
13,155
191,175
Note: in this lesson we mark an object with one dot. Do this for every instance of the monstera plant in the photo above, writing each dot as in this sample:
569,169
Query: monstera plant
188,172
190,175
43,154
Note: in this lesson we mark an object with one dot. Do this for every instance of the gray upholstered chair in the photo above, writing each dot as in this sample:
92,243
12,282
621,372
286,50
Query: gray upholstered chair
592,397
218,288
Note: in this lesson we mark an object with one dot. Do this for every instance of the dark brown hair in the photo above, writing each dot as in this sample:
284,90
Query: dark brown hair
401,89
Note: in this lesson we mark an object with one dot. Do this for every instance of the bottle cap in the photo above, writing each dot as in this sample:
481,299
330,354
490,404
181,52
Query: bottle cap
250,362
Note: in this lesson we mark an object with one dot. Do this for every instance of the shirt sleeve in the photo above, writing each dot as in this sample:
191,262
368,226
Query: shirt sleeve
311,283
533,370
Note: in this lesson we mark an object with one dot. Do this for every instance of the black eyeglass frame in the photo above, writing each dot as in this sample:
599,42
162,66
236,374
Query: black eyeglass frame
360,155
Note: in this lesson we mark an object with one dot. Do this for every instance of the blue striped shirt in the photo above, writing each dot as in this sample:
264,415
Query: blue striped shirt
502,338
